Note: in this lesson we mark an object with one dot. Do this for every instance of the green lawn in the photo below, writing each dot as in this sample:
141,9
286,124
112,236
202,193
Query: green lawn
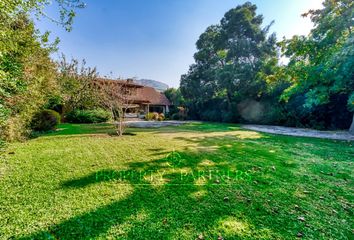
203,181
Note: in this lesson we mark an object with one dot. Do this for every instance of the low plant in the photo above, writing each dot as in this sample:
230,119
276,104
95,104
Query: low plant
45,120
149,116
181,115
161,117
154,116
88,116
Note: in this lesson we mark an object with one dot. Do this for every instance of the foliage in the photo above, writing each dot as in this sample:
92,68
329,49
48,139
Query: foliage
66,8
88,116
321,64
161,117
26,72
149,116
79,162
237,78
230,65
180,114
114,96
175,96
154,116
76,85
55,102
26,77
176,99
45,120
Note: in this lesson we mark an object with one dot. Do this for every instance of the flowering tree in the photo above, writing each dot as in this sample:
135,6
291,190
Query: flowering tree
114,95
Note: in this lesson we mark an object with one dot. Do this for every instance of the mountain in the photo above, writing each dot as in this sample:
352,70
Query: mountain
159,86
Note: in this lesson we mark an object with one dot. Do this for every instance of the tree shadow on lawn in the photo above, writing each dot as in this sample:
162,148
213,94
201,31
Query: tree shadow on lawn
171,199
68,131
108,128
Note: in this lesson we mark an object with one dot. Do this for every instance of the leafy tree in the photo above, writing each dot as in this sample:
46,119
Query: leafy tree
27,78
76,86
26,71
177,103
10,8
115,96
322,64
229,63
175,96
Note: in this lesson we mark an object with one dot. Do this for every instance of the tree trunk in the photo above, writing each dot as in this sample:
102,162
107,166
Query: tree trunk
228,98
351,129
120,127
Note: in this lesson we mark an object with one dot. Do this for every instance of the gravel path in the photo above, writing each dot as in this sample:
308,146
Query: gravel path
301,132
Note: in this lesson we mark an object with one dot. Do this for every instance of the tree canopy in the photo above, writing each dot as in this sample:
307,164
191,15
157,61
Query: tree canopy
229,63
322,64
26,71
237,77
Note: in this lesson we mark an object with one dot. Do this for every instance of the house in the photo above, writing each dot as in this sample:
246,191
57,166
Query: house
139,99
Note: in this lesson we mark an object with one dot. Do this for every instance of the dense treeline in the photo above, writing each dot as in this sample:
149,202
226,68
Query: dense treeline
30,81
237,76
36,93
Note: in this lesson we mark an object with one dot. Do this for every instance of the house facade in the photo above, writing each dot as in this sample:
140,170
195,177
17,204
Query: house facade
140,99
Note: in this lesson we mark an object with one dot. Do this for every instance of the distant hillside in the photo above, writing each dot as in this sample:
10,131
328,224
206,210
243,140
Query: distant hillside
159,86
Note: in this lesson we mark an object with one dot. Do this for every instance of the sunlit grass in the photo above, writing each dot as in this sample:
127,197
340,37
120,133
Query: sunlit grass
68,185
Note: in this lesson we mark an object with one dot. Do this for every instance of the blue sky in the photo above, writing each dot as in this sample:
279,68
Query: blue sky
155,39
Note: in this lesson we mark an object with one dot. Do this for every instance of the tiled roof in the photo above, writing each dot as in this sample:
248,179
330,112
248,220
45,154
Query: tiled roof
152,96
147,95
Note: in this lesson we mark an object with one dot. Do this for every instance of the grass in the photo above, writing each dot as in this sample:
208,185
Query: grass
203,181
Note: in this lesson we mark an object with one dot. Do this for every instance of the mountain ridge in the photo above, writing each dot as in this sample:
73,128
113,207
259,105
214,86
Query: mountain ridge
159,86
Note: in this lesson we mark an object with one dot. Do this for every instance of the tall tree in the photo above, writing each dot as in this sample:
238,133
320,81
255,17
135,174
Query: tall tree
76,85
322,64
228,64
26,78
115,96
26,71
175,96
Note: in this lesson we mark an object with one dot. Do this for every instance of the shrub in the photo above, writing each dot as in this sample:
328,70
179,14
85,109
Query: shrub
45,120
180,113
88,116
178,116
273,114
227,117
149,116
175,116
154,116
55,103
2,145
211,115
161,117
